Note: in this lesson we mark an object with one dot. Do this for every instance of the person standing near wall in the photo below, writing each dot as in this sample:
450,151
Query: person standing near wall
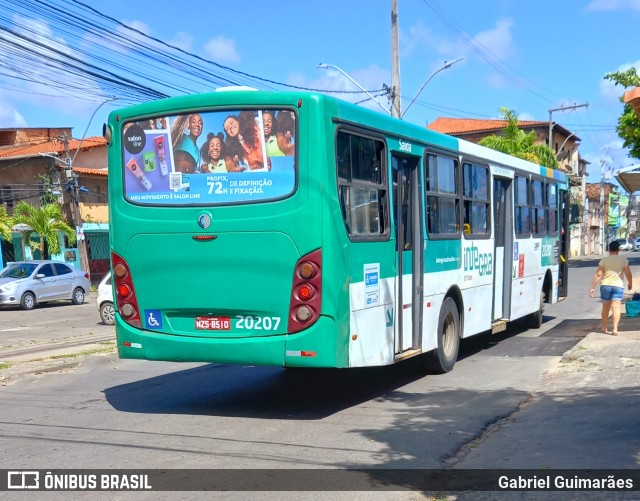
609,273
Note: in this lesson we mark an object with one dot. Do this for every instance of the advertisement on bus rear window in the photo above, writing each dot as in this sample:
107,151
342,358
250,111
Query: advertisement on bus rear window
210,157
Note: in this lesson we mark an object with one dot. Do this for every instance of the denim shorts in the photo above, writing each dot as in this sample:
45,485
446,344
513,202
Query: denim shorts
609,292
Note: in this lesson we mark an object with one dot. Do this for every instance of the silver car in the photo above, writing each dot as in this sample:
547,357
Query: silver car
27,283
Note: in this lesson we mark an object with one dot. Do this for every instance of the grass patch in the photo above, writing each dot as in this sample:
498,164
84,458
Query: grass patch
93,351
4,365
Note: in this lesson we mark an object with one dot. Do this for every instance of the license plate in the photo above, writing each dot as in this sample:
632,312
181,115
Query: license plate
213,323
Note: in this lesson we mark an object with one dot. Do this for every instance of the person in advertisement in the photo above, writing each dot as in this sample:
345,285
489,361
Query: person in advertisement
212,152
187,159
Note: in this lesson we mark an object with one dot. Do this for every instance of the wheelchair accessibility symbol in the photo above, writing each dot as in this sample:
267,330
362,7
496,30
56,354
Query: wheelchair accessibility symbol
153,319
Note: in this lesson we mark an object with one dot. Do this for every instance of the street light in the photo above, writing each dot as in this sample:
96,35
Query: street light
327,66
444,67
562,155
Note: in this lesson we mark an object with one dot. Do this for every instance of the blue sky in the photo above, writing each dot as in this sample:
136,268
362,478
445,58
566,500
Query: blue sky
529,56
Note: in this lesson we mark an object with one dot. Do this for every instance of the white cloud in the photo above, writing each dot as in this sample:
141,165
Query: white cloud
371,78
604,5
182,40
222,49
496,80
496,41
137,25
491,44
10,117
416,36
612,92
49,86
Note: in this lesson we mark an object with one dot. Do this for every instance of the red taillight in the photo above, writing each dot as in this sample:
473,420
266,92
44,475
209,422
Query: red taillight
125,293
306,292
87,276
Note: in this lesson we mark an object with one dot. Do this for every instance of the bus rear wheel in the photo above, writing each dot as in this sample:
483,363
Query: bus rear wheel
443,358
534,320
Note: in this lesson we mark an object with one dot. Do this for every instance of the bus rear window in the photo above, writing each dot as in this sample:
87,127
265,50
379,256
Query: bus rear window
205,158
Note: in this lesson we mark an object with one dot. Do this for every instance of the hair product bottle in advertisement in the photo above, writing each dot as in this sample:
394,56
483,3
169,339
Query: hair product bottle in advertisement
133,167
149,159
160,142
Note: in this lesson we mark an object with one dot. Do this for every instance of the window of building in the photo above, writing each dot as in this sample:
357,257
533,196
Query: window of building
362,187
443,196
475,191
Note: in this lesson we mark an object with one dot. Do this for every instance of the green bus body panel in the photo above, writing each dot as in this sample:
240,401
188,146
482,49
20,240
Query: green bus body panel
246,273
320,340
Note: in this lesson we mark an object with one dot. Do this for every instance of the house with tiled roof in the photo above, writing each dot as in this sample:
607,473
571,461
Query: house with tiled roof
565,144
32,164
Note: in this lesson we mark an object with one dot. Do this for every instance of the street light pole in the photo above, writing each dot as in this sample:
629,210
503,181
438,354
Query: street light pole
444,67
327,66
395,63
562,108
74,193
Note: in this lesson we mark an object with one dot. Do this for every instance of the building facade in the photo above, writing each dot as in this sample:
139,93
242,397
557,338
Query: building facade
35,162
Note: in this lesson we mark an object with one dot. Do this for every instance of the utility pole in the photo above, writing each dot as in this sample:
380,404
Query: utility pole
74,193
395,63
562,108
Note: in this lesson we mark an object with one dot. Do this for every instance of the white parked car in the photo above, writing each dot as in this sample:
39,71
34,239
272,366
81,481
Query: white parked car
29,283
105,300
625,244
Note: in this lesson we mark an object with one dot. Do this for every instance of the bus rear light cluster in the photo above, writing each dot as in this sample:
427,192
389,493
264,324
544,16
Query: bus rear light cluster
306,292
126,300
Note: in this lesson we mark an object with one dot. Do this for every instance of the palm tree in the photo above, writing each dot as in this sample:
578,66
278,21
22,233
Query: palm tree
519,143
6,223
46,221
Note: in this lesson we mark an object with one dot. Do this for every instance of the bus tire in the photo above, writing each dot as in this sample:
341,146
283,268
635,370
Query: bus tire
443,358
534,320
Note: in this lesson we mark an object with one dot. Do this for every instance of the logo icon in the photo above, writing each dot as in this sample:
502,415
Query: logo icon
23,480
153,319
204,221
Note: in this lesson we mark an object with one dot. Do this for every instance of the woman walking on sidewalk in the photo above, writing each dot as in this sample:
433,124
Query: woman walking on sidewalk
609,273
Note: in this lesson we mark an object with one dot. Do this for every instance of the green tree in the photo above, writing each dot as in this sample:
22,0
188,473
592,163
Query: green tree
628,127
518,143
6,223
46,221
47,187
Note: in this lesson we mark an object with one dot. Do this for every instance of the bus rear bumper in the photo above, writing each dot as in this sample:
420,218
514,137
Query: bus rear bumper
317,346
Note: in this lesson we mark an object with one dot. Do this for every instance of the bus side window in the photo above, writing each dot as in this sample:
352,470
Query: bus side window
443,192
362,187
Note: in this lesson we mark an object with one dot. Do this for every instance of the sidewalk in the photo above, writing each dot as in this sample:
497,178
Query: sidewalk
586,416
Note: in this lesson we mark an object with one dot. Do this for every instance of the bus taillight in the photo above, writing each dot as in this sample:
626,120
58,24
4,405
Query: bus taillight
306,292
125,293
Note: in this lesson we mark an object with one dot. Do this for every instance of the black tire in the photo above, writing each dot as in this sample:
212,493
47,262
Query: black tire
28,301
443,358
534,320
78,296
108,313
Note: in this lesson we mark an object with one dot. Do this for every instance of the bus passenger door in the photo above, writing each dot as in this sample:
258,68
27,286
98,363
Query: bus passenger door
563,265
504,248
409,252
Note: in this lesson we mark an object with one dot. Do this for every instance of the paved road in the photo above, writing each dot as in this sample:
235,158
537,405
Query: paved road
111,413
56,329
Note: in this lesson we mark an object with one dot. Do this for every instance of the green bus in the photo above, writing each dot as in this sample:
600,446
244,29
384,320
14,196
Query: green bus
295,229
